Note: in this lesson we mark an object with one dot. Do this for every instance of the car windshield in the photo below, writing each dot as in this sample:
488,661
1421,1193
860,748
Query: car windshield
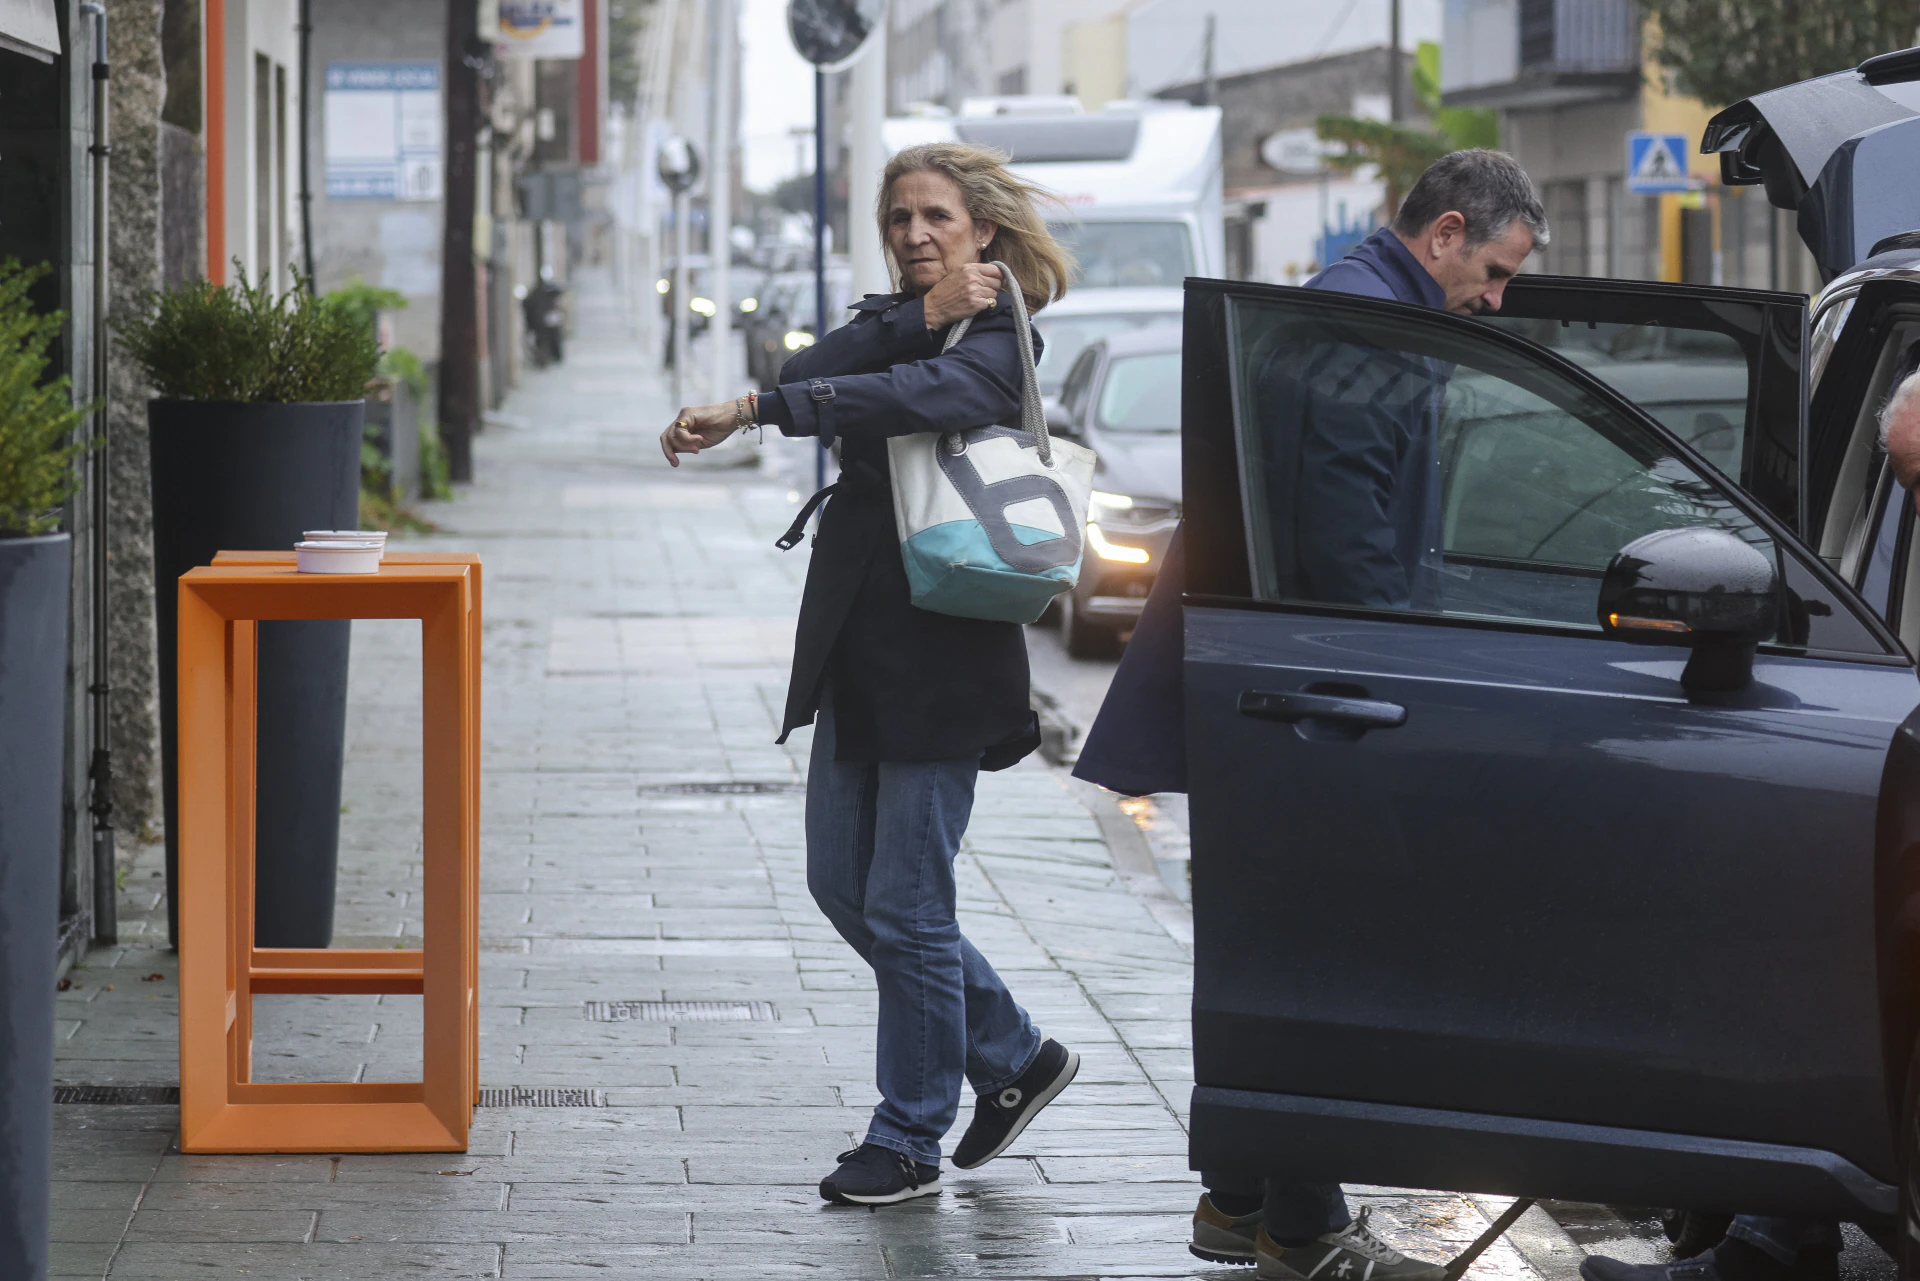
1142,393
1065,337
1124,255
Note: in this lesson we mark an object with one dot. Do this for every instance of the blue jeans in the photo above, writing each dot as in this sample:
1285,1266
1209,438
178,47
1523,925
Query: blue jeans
881,838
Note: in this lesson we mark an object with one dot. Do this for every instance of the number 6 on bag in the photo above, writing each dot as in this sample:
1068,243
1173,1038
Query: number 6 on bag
992,520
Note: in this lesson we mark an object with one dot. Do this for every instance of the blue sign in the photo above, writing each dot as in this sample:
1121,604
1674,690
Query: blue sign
1657,163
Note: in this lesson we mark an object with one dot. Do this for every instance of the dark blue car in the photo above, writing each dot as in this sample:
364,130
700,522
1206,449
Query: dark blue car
1582,875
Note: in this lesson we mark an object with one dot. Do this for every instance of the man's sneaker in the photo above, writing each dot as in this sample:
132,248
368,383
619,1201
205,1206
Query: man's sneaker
1747,1263
873,1175
1218,1237
999,1117
1351,1254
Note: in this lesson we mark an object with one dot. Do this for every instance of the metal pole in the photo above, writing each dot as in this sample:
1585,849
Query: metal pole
1326,237
306,187
819,239
720,201
459,408
682,215
1209,78
106,923
867,95
1396,92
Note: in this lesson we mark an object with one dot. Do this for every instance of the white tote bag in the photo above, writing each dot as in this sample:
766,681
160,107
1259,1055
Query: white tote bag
992,520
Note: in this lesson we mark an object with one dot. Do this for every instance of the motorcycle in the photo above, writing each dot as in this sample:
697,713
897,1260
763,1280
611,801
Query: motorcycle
545,320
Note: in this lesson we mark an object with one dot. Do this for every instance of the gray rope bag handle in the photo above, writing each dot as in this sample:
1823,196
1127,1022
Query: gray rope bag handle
1033,416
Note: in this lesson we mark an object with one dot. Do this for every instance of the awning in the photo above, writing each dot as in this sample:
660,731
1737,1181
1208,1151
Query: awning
30,27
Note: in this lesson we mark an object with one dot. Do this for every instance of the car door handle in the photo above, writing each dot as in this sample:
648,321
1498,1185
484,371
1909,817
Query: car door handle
1295,706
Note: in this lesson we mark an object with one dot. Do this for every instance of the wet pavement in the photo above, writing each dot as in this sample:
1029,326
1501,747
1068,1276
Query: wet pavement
642,843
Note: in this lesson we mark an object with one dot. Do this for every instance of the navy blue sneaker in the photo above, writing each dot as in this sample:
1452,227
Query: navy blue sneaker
873,1175
999,1117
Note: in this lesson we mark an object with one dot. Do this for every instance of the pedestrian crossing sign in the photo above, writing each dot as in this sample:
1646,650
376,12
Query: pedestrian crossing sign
1656,163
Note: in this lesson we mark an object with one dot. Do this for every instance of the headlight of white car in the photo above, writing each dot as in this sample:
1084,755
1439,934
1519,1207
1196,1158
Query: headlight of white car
1107,507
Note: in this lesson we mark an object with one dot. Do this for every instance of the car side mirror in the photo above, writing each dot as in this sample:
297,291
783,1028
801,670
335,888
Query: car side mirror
1702,588
1059,422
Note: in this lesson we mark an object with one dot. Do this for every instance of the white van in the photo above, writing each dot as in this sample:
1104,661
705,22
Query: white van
1139,183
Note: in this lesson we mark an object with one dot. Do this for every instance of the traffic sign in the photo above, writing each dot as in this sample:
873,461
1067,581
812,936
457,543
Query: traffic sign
1657,163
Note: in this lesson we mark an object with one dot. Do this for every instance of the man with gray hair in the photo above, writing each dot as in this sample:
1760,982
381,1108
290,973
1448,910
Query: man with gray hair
1900,433
1362,484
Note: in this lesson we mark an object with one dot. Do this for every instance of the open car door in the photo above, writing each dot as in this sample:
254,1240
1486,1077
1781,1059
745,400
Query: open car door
1484,899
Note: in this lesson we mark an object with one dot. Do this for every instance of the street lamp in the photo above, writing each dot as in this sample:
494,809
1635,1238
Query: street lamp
678,165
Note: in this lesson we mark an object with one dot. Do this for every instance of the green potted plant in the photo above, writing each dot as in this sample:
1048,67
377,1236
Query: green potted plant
37,450
255,428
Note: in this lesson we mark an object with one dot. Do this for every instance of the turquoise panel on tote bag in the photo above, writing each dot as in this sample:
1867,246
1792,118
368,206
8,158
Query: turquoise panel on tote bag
951,570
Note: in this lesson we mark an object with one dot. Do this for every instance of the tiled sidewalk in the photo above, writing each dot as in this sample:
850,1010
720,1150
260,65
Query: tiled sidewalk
642,842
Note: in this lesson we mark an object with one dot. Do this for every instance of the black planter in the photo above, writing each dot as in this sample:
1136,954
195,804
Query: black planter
34,587
229,477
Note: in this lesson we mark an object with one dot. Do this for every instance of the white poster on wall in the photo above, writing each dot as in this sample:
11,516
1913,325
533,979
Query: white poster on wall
541,29
383,131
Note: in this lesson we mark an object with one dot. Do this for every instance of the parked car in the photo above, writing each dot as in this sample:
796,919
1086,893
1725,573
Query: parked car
745,284
1122,399
768,325
1490,897
1084,316
784,323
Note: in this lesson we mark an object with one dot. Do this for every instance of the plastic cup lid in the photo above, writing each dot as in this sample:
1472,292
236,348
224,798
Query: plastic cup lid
338,535
338,545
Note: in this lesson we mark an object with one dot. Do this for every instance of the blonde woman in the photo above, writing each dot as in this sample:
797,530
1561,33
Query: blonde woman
910,705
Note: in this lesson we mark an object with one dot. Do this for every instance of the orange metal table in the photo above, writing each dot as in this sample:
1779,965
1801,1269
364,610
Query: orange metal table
473,721
221,1108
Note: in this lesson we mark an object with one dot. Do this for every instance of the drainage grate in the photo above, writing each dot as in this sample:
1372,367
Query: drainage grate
523,1096
124,1094
730,788
682,1012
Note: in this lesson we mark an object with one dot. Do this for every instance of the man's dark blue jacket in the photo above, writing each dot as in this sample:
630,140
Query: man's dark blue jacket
1138,742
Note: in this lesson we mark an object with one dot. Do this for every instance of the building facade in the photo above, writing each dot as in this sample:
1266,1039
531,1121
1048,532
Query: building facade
1571,80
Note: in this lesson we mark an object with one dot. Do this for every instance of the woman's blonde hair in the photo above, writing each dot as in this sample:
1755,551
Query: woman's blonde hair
1040,263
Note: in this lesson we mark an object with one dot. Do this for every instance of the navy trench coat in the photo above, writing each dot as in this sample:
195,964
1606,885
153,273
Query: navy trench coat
1138,742
907,684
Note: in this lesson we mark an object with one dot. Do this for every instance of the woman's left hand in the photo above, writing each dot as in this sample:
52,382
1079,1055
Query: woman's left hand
695,428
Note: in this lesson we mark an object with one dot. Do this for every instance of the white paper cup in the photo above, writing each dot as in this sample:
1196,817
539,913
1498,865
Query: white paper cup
336,557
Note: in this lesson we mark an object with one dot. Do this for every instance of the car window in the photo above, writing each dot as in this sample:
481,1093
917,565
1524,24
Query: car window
1141,393
1125,255
1693,381
1846,534
1074,395
1412,463
1067,336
